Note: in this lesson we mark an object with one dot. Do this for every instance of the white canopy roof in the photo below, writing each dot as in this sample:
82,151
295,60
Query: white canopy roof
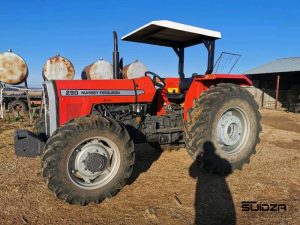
171,34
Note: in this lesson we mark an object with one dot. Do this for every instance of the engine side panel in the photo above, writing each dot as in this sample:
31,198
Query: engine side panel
77,97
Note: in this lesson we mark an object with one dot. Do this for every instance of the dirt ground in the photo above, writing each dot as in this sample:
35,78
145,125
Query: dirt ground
165,187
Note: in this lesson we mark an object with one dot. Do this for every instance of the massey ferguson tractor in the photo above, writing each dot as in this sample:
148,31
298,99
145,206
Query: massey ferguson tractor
86,140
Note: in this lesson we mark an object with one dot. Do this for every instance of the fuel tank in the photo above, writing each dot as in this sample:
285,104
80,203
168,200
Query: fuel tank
58,68
99,70
13,69
134,70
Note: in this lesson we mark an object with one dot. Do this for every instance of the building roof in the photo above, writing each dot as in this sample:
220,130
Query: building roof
171,34
283,65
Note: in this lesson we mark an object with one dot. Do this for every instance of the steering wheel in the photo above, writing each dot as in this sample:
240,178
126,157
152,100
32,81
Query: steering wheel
161,83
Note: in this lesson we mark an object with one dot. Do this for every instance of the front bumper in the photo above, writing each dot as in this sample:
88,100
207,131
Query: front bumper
28,144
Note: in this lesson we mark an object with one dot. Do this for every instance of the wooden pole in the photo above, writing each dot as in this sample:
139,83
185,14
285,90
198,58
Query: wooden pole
277,90
1,101
262,98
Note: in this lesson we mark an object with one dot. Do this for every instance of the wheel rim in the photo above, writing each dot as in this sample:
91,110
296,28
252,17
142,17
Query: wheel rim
93,163
232,130
18,107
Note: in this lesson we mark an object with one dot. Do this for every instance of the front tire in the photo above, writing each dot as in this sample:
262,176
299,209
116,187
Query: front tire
223,128
88,160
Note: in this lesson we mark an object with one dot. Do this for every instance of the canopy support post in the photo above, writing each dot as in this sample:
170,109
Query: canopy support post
180,53
210,46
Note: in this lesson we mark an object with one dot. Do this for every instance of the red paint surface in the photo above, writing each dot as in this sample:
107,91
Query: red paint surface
76,106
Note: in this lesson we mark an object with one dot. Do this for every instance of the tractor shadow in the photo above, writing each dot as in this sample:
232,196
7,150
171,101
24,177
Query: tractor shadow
213,201
145,155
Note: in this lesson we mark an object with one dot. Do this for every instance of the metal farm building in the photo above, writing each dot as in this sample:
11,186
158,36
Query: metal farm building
277,84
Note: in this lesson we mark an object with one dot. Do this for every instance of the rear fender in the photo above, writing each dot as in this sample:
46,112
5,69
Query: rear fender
202,83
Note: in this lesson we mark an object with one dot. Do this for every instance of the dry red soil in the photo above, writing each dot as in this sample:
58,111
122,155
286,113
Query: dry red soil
165,187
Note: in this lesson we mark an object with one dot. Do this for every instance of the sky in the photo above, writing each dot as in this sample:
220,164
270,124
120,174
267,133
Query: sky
81,31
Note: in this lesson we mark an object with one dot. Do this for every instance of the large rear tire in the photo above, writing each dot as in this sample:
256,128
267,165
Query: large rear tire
223,125
88,159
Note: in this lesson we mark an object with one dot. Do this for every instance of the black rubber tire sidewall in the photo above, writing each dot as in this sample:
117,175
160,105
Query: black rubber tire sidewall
62,163
200,127
55,165
238,158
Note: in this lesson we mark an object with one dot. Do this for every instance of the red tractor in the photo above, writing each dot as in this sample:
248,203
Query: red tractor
87,138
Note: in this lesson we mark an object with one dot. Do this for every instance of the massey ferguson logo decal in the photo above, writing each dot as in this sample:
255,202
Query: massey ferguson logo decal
101,92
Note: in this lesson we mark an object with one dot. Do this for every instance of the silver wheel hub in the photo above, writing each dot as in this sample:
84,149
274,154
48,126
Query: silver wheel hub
91,160
229,129
232,130
93,163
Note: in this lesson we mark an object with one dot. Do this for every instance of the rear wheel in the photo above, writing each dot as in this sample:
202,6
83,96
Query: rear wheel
223,128
88,160
18,106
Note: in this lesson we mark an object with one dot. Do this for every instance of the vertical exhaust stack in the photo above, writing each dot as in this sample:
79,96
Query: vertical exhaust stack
116,67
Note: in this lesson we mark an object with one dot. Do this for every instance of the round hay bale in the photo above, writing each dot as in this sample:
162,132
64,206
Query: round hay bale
13,69
134,70
99,70
58,68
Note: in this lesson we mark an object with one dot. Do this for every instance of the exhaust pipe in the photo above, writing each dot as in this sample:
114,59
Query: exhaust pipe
116,67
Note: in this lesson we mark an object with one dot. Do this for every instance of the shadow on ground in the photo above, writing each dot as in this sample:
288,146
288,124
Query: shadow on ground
213,200
145,156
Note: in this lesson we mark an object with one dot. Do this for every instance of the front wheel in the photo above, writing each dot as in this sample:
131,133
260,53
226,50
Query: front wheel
223,128
88,160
